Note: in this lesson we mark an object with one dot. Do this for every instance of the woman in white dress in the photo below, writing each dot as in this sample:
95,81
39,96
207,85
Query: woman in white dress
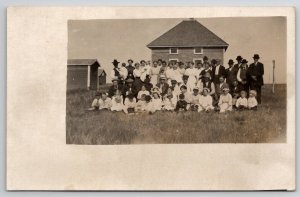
154,73
192,73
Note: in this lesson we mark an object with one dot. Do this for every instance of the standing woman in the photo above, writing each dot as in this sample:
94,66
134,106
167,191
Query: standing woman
154,73
192,73
242,75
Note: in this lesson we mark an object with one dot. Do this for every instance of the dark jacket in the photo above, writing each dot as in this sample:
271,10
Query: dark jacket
164,88
222,72
235,91
130,69
231,74
258,71
181,105
112,90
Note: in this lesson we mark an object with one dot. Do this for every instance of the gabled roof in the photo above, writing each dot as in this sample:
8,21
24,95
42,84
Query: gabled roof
188,33
82,62
100,71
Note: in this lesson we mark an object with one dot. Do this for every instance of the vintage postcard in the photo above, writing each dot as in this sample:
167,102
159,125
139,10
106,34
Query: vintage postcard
151,98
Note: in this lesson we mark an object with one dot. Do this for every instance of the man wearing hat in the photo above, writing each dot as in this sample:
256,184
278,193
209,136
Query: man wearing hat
130,68
231,73
115,73
255,76
129,88
239,60
163,85
217,71
205,59
115,86
242,75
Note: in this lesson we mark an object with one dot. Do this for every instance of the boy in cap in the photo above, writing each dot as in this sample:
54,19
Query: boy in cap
242,102
205,101
252,102
255,76
225,101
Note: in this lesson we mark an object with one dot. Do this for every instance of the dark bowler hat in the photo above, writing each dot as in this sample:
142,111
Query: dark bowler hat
230,62
205,58
256,56
130,60
115,62
244,61
238,58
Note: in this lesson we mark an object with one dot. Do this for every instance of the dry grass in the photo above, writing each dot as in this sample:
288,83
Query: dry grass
266,125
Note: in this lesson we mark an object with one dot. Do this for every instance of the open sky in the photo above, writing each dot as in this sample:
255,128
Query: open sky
122,39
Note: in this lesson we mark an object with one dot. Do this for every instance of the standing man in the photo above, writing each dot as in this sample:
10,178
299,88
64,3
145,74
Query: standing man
115,73
218,71
130,68
231,73
239,61
255,76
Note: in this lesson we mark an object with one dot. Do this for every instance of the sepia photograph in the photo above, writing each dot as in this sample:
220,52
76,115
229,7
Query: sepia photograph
176,81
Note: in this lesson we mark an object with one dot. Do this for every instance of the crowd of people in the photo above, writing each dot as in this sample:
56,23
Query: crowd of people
178,86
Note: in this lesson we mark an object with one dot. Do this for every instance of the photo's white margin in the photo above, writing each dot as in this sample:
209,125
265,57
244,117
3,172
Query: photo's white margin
86,13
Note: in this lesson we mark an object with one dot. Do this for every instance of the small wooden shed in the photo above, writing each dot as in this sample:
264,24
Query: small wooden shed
102,76
82,74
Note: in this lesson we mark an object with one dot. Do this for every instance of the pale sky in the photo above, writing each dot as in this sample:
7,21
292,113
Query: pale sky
123,39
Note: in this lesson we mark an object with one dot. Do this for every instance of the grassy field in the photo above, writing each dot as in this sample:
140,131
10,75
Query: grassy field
266,125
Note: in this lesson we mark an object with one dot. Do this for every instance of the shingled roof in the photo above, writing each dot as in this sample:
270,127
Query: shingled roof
82,62
188,33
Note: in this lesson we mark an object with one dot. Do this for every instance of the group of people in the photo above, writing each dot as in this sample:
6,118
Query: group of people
176,86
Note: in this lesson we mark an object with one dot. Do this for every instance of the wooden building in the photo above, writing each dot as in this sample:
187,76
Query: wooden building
188,41
82,74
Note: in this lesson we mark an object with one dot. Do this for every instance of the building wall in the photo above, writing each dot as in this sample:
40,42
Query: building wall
94,77
187,54
77,77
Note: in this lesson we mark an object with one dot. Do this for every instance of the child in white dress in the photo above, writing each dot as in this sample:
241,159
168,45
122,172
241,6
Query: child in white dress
140,104
252,102
117,102
194,98
169,103
205,101
225,101
105,102
156,100
129,104
142,91
242,102
148,105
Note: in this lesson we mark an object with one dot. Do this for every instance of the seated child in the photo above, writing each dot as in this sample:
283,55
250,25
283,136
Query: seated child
252,102
148,105
181,103
235,91
195,99
205,101
156,101
225,101
140,103
129,104
142,91
242,102
169,103
95,103
104,102
117,102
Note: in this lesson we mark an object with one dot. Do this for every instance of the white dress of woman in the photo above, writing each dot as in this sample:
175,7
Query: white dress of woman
154,73
192,73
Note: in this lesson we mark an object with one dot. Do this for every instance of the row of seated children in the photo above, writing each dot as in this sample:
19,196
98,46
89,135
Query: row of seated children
195,102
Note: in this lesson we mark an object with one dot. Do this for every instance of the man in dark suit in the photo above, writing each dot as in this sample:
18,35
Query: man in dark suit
218,71
163,85
130,69
255,74
231,73
114,87
239,61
